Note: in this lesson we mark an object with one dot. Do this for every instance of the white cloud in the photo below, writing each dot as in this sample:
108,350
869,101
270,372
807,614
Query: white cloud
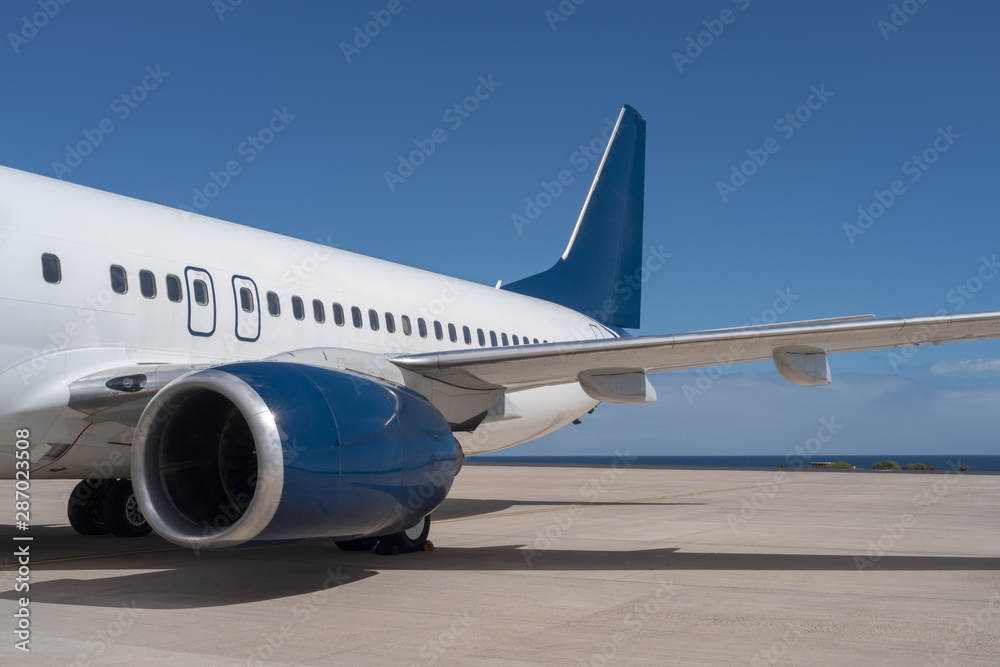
967,366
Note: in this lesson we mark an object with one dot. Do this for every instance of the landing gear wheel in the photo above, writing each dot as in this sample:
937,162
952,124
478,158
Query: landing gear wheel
122,515
86,507
410,540
360,544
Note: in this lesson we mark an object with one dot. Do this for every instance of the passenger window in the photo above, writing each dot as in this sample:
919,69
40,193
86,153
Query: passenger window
467,335
147,284
200,293
422,327
246,299
452,333
273,304
535,341
51,270
338,314
405,321
174,289
438,333
482,337
503,339
373,319
319,311
356,317
119,281
493,338
298,311
390,323
514,340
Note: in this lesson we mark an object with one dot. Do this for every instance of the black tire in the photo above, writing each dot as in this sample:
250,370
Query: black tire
86,507
122,515
360,544
410,540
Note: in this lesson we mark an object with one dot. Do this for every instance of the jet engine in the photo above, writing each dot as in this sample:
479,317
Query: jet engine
272,452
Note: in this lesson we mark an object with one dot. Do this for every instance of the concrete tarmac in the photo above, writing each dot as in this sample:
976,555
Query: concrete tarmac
550,566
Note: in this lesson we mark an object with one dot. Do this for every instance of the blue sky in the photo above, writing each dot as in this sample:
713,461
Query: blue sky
715,81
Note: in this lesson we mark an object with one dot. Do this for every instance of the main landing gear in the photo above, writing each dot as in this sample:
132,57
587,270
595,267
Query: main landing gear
101,506
412,539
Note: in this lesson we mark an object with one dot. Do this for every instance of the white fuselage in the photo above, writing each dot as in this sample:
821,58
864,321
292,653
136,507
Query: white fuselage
55,334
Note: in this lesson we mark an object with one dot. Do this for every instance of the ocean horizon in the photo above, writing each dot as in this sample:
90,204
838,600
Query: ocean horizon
976,462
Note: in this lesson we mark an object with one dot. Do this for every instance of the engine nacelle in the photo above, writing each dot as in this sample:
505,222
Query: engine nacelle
269,452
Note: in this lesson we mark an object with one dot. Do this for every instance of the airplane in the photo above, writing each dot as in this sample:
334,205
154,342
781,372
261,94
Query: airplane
226,386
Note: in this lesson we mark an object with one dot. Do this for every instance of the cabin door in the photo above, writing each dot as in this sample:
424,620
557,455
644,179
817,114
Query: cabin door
247,301
201,301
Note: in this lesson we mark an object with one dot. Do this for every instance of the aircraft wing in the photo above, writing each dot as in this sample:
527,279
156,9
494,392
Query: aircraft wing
614,370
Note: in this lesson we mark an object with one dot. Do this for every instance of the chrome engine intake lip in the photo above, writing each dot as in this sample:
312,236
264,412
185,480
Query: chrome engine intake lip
151,444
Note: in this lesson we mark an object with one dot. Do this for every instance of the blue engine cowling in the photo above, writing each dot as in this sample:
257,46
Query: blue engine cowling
268,452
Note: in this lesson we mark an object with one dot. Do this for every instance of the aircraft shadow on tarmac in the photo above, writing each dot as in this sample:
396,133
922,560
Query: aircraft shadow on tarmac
459,508
151,574
178,579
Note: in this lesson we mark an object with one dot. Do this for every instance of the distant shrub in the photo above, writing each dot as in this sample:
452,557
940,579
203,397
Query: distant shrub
963,468
917,466
841,464
888,464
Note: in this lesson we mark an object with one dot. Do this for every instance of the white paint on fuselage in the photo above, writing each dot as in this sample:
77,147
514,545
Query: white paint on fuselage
56,334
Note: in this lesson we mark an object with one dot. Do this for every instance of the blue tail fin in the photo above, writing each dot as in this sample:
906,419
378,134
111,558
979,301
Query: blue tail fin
599,272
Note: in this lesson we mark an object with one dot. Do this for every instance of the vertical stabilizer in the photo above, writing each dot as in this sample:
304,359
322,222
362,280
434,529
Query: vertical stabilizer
599,273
